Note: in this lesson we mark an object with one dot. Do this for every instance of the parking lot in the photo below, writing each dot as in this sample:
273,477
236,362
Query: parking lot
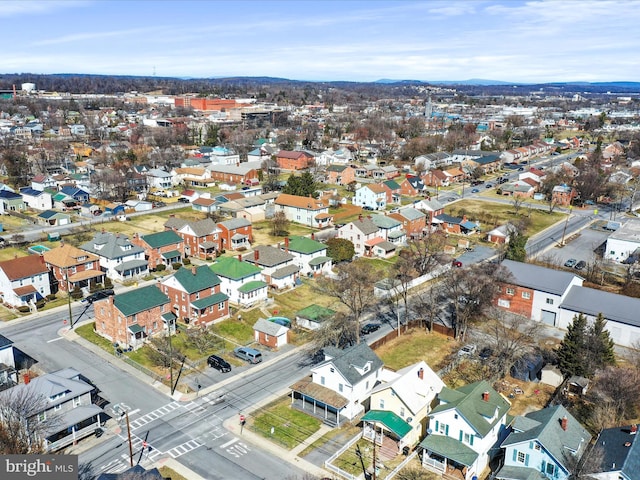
580,246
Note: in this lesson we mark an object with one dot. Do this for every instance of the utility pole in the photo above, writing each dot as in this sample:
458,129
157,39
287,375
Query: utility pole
129,437
170,358
374,452
564,230
66,277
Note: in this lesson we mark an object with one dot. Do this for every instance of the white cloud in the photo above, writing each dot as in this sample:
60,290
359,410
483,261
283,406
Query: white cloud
12,8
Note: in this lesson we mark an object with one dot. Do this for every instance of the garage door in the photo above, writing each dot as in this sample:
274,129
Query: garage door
549,317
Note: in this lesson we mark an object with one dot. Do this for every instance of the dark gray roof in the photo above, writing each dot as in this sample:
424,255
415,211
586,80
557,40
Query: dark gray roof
509,472
544,426
175,222
5,342
235,223
346,361
365,225
109,245
539,278
617,456
614,307
268,256
285,271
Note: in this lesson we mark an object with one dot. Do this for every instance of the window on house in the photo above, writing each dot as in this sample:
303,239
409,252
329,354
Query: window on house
504,303
549,301
442,428
536,446
57,407
42,416
266,337
382,404
221,306
510,291
526,295
402,411
155,325
551,468
520,457
321,380
340,387
77,401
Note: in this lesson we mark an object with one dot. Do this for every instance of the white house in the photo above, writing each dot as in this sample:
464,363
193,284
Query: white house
278,267
160,179
36,199
624,242
305,210
359,232
309,254
241,281
465,430
371,197
119,258
24,281
339,385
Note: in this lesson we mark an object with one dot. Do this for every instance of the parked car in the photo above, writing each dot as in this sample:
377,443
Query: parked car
369,328
467,350
570,263
475,190
99,295
247,354
580,265
485,353
184,200
219,363
456,263
488,185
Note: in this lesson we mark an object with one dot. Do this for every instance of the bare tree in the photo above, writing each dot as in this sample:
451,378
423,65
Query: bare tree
279,224
202,338
426,253
517,201
22,429
353,287
427,306
402,274
339,331
509,338
615,393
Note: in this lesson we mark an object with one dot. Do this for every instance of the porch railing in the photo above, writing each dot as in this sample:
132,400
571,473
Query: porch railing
436,465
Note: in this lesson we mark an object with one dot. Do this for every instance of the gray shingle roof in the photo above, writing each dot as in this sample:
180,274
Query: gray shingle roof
111,246
235,223
544,426
615,307
346,361
270,328
268,256
539,278
383,221
365,225
285,271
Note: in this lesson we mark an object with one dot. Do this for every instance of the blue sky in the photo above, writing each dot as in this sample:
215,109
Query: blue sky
508,40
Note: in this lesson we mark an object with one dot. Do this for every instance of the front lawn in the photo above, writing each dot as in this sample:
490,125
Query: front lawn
239,331
262,232
418,345
88,333
290,427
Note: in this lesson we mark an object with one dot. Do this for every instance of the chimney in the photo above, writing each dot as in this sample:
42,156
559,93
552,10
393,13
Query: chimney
193,270
634,429
27,378
256,255
359,216
313,236
421,374
564,423
485,396
286,244
239,258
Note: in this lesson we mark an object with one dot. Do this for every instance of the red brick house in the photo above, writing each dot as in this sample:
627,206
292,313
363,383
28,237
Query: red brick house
288,160
235,234
436,178
563,194
413,221
82,268
270,334
392,189
412,186
129,318
195,297
201,238
340,174
161,248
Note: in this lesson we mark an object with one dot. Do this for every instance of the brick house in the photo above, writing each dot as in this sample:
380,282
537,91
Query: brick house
24,280
413,221
412,186
161,248
436,178
72,267
288,160
431,208
455,225
340,174
201,238
563,194
129,318
392,189
195,295
270,334
235,234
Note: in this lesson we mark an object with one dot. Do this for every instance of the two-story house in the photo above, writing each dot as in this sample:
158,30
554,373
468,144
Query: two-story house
201,238
392,188
72,267
24,280
293,160
241,281
305,210
371,197
340,174
11,202
195,295
390,229
431,208
414,222
465,430
119,258
309,254
129,318
339,385
361,232
161,248
534,291
549,441
61,402
278,267
235,234
36,199
400,405
412,186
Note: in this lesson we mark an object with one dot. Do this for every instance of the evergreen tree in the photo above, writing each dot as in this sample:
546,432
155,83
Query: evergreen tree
572,349
303,185
600,352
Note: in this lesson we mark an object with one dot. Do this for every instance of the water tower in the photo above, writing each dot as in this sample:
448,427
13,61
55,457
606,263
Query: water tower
28,87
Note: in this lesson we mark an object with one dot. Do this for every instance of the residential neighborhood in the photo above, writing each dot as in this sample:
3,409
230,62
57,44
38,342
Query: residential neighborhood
356,304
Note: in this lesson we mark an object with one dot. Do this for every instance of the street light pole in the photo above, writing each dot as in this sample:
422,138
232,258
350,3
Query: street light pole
66,277
170,359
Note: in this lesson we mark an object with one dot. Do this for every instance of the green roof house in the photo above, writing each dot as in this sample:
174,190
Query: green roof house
129,318
465,430
309,255
241,281
161,248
